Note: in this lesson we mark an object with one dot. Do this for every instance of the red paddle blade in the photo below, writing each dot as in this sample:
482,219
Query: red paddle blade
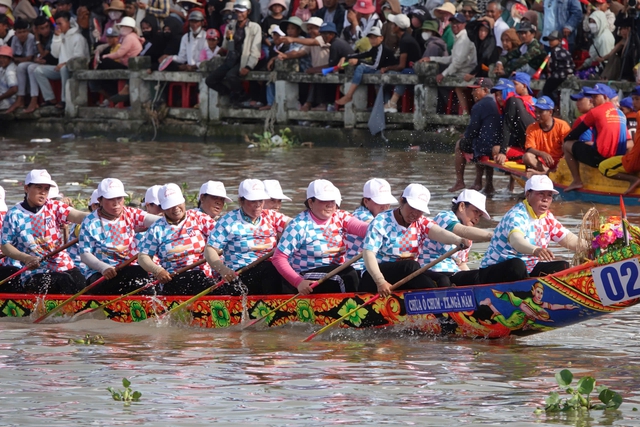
623,210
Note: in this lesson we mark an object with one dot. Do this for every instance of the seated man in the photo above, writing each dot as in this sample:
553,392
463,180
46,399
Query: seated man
544,139
191,44
8,78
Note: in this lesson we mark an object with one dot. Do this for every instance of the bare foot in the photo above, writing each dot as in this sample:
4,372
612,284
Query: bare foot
573,186
633,186
33,106
457,187
512,183
477,186
344,100
265,108
532,172
305,107
14,107
320,107
489,190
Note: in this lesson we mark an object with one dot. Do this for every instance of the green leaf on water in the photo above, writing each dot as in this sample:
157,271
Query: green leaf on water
564,377
553,398
585,385
136,396
126,382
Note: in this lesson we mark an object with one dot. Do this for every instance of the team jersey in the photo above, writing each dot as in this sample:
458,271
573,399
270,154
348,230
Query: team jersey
537,230
354,243
430,250
311,245
242,241
74,251
37,234
610,126
391,242
178,245
548,141
110,241
6,261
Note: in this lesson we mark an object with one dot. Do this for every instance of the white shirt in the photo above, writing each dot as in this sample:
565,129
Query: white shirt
190,48
463,57
499,28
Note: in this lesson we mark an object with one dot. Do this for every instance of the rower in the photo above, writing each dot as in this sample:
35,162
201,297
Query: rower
151,200
32,229
244,235
276,196
8,266
392,243
314,243
212,198
176,240
107,238
465,213
519,247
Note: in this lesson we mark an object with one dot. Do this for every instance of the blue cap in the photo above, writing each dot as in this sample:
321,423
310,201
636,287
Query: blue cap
600,89
458,17
636,91
627,103
523,78
328,27
545,103
502,85
578,96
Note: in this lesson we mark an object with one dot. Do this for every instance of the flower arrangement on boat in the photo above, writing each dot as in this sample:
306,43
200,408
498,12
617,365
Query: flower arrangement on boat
610,236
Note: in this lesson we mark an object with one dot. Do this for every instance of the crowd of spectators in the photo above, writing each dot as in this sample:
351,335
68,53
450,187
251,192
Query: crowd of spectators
594,39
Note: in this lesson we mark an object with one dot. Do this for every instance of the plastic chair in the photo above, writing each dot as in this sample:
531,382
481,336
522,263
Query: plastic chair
185,89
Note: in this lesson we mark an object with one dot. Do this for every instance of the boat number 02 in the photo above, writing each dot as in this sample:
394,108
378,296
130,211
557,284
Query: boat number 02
617,282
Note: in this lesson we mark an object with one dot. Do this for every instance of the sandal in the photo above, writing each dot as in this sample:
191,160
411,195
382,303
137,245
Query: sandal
48,104
60,105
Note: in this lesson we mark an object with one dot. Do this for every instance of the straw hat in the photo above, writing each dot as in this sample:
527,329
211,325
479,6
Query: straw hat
117,5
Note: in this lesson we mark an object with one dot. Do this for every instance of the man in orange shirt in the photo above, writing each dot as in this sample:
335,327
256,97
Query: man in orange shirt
544,139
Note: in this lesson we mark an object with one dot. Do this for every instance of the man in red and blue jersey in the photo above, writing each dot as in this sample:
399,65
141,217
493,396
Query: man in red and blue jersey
609,125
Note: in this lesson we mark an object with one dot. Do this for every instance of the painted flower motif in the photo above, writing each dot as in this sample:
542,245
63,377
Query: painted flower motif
11,309
357,316
50,305
138,313
220,314
261,309
305,312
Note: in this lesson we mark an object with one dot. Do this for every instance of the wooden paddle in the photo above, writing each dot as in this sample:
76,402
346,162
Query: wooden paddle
85,290
49,255
217,285
623,212
147,286
393,287
323,279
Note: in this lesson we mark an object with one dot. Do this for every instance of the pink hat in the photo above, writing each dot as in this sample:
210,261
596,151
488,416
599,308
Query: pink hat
364,6
280,2
6,51
213,34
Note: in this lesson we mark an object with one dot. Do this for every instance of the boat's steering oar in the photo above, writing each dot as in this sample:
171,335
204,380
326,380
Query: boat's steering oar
393,288
323,279
84,291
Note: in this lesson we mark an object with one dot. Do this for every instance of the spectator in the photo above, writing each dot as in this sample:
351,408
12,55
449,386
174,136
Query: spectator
378,54
23,9
192,43
6,32
563,16
333,12
130,46
68,43
227,14
275,17
115,11
172,31
158,8
24,50
470,10
444,14
480,33
494,10
462,61
418,16
603,6
544,139
6,10
610,127
613,69
484,128
130,9
212,49
8,78
44,37
560,65
292,29
308,8
532,53
410,53
66,6
154,41
433,43
603,41
360,20
391,41
242,56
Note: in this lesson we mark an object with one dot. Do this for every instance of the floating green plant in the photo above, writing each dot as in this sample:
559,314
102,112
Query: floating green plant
127,395
88,340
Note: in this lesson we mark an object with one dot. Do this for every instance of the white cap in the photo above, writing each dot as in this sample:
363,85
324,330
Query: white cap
94,197
400,20
275,28
39,176
54,191
314,20
539,183
379,191
127,22
214,188
418,197
324,190
273,189
475,198
3,205
170,195
252,189
151,196
110,188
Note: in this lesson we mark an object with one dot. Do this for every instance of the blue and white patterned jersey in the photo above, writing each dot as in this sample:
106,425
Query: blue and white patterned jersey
391,242
112,242
539,231
430,250
311,245
243,242
178,245
37,234
354,243
74,251
6,261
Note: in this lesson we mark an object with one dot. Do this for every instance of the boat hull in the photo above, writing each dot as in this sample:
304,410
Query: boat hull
483,311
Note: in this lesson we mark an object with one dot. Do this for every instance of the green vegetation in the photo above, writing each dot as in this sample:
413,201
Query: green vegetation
191,198
268,140
127,395
88,340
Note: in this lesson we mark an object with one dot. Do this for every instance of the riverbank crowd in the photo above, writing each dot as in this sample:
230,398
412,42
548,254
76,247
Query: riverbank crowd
551,39
257,250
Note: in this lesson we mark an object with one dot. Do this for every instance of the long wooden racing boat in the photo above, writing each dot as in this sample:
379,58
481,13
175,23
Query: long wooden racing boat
597,188
606,285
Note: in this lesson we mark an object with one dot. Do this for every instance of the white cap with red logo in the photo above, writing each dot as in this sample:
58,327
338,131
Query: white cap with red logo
540,183
54,191
379,191
475,198
151,196
170,195
273,189
418,197
252,189
39,176
94,197
324,190
214,188
110,188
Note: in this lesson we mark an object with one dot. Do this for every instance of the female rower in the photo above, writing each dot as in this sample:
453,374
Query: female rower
244,235
177,240
466,211
276,196
151,200
519,247
32,229
211,199
393,240
376,198
107,238
314,243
